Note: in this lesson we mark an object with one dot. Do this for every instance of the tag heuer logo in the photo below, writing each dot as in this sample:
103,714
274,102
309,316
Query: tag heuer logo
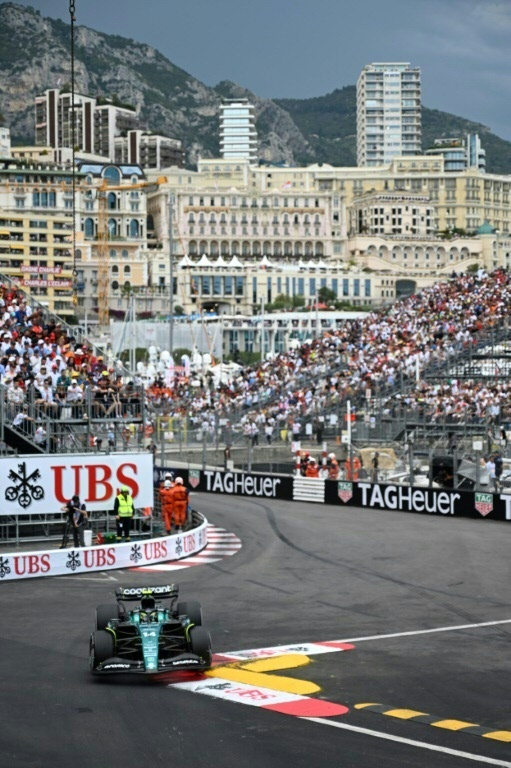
484,503
345,491
194,477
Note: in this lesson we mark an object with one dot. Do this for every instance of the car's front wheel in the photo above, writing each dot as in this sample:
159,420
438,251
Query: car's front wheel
192,609
102,647
106,612
200,644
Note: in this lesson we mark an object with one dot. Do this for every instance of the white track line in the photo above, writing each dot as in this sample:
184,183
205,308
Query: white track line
410,742
425,631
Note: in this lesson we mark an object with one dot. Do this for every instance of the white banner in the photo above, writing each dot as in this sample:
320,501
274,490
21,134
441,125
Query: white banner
39,485
106,557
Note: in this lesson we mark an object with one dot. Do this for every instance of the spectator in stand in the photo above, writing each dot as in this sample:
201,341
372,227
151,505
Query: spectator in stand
46,401
40,436
490,466
74,398
375,465
23,422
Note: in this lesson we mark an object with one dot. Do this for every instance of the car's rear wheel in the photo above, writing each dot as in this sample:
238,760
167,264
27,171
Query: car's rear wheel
106,612
192,609
200,644
102,647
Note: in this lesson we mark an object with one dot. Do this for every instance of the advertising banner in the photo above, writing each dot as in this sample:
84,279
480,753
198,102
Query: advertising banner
43,484
36,270
443,502
102,558
237,483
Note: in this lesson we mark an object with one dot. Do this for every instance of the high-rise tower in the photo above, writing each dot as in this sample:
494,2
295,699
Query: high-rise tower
238,135
388,113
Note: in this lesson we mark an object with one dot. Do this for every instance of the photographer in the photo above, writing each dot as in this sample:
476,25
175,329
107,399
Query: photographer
76,521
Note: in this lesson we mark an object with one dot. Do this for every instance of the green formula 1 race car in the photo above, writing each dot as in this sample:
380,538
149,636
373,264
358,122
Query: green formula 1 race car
149,638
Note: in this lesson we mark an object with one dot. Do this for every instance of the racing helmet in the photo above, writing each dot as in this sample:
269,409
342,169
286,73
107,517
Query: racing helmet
148,603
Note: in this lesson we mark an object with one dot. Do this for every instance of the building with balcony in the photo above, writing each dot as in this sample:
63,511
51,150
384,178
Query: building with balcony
36,231
5,142
459,154
388,113
392,213
238,135
149,150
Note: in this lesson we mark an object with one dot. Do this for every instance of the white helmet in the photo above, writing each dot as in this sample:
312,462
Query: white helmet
169,475
331,455
167,484
179,481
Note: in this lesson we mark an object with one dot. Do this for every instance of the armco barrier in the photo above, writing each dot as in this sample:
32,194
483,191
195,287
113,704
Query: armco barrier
25,565
366,495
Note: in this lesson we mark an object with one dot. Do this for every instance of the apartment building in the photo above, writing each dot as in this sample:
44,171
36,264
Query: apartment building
460,153
36,232
5,142
388,113
103,132
149,150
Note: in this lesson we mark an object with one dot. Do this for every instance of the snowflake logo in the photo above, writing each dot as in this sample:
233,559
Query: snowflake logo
4,567
136,553
73,560
179,546
24,490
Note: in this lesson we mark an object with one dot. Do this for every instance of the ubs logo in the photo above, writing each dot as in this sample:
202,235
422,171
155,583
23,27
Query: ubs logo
24,489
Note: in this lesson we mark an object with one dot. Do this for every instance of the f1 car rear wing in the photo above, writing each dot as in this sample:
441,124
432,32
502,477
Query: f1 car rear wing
137,593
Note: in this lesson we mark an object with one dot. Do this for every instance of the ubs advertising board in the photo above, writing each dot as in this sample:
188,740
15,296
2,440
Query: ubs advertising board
26,565
34,485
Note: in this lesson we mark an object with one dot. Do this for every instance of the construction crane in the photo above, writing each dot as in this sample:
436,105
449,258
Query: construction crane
104,236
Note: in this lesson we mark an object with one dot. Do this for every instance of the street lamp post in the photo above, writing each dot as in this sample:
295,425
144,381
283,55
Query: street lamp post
171,276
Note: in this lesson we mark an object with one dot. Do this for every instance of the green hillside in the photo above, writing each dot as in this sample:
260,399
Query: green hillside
329,123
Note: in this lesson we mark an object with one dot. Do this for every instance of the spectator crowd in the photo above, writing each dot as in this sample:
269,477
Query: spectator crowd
48,373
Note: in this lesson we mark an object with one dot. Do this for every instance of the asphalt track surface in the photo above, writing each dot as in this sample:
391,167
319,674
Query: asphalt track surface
305,573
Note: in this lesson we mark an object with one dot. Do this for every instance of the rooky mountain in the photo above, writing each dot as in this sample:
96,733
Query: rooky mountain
34,56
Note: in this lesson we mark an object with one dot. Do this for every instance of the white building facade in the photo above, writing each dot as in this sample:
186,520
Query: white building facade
238,135
388,113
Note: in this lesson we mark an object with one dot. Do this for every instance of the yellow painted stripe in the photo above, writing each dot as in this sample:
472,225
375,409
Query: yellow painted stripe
362,706
255,673
292,661
453,725
498,735
403,714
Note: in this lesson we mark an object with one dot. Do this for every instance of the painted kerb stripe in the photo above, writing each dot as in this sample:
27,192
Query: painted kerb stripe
437,722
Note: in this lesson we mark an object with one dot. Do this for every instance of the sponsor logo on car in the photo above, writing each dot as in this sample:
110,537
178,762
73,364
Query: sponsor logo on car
345,491
115,666
139,591
185,661
484,503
